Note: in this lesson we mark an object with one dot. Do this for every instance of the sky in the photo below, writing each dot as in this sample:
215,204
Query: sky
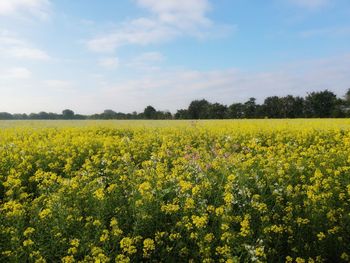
92,55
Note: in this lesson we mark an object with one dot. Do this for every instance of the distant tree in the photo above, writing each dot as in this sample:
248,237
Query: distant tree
149,112
53,116
250,108
320,104
235,111
340,109
5,116
198,109
292,107
163,115
80,117
109,115
68,114
181,114
272,107
33,116
20,116
347,97
217,111
346,104
43,115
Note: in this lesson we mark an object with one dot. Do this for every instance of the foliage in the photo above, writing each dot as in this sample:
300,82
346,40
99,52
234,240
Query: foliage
322,104
217,191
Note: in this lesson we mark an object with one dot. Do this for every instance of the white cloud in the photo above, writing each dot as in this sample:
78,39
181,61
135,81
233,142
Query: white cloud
326,32
310,4
28,53
14,47
183,14
58,85
147,61
174,89
109,63
170,89
15,73
142,31
168,19
38,8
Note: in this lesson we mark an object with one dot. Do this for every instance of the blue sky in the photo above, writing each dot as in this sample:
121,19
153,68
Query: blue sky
90,55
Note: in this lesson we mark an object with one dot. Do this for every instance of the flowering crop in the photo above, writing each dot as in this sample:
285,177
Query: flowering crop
211,191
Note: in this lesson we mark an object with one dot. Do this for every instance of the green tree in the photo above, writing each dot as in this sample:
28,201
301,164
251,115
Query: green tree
198,109
347,97
5,116
149,112
320,104
272,107
292,107
181,114
109,115
250,108
68,114
217,111
235,111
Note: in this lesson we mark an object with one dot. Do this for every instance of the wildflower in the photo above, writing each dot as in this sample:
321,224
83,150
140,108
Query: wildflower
321,236
189,204
99,194
170,208
28,242
299,260
144,187
104,236
122,259
200,221
28,231
46,213
126,244
245,228
148,247
68,259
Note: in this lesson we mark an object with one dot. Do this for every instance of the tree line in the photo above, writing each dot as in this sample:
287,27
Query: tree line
322,104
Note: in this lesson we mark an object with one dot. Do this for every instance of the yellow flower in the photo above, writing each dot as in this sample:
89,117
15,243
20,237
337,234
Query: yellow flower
321,236
209,237
219,211
144,187
97,223
126,244
170,208
189,203
174,236
148,247
104,236
99,194
28,231
299,260
223,250
68,259
289,259
122,259
245,226
344,256
228,198
185,185
199,221
46,213
28,242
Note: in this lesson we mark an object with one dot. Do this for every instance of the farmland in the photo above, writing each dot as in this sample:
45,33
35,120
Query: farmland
175,191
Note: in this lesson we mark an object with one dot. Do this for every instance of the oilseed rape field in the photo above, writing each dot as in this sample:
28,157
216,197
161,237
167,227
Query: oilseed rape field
175,191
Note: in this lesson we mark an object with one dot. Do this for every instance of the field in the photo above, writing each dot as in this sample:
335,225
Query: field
175,191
